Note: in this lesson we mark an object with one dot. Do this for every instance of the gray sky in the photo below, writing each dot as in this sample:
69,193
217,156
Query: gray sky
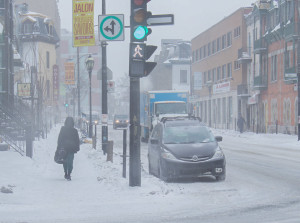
191,18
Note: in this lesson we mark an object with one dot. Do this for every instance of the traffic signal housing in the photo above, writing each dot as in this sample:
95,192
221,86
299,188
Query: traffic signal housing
138,21
139,54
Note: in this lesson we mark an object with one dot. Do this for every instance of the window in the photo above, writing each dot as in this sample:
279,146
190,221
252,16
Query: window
236,65
287,112
208,49
237,32
223,42
204,77
218,73
197,54
229,39
209,75
201,53
224,71
48,59
214,46
214,76
218,44
274,111
28,28
183,76
204,51
274,68
229,70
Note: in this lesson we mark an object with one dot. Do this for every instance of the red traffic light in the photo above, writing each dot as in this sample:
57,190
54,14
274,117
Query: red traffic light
138,2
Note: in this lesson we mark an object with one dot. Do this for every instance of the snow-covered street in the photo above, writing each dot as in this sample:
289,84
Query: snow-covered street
262,185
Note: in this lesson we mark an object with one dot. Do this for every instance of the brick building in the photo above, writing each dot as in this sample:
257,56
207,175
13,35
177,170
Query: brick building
219,80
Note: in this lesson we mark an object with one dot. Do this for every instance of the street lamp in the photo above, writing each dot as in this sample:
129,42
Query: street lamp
89,66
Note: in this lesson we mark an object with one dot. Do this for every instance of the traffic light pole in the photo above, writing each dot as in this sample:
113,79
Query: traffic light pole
104,90
134,146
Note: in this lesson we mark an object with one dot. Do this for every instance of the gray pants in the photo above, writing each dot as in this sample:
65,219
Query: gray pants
68,164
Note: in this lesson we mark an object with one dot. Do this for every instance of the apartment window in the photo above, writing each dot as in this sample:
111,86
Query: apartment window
204,51
209,75
237,32
197,55
229,70
229,39
274,68
224,71
28,28
208,49
48,59
274,111
236,65
218,73
214,75
218,44
201,53
214,46
223,42
183,76
204,77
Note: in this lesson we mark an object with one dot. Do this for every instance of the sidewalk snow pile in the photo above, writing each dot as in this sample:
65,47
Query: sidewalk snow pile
34,190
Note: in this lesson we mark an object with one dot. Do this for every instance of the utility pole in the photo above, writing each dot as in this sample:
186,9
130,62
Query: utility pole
298,68
104,90
78,83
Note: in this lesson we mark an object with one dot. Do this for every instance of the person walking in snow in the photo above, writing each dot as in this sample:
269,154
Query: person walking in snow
240,123
68,138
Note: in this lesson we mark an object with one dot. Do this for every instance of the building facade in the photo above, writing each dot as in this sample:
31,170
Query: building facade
272,36
219,80
173,70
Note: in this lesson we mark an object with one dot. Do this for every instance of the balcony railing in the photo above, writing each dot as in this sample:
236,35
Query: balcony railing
260,82
290,30
259,46
242,90
244,56
290,75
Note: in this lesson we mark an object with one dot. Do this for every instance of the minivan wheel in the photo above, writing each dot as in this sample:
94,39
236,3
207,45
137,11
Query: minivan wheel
221,177
161,173
149,166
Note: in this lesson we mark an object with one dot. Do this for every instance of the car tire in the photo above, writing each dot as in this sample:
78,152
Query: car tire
161,173
221,177
149,166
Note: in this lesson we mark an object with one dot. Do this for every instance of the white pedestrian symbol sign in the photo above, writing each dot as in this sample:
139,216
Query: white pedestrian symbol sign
137,51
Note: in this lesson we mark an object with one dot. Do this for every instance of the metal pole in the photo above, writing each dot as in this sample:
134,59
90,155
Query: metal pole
78,83
298,84
104,90
298,67
124,151
134,148
90,123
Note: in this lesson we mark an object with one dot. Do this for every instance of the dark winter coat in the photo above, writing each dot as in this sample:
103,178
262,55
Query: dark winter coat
241,122
68,137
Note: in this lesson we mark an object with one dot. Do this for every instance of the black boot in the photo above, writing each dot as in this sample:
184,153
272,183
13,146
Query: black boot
68,177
